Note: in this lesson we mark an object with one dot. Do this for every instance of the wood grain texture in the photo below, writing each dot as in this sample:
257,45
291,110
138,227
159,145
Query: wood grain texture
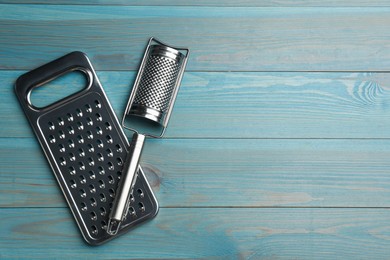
246,105
278,146
241,3
220,39
207,233
226,173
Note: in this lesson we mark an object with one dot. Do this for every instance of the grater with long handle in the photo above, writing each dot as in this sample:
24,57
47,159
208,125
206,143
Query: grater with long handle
151,101
86,148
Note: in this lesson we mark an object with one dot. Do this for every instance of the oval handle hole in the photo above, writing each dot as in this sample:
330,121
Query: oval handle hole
58,88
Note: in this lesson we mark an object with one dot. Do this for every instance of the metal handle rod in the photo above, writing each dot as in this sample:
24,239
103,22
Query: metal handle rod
122,199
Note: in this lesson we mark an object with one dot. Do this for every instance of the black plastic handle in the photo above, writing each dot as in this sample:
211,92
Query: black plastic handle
73,61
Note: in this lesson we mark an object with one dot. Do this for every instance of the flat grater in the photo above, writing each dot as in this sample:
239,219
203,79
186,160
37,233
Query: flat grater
86,148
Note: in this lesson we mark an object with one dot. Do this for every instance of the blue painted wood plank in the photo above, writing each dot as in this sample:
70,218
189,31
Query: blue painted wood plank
220,38
241,3
207,233
246,105
225,173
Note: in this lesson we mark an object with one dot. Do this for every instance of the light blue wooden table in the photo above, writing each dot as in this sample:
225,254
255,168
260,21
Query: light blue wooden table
278,146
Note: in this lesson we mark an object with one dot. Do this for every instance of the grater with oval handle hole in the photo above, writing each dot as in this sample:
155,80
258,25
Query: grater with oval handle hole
86,148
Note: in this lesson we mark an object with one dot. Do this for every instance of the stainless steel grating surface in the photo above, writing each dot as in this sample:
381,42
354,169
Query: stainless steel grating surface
86,149
157,83
90,156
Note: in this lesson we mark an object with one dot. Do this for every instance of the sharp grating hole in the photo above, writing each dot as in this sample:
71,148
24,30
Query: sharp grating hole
83,206
51,126
80,139
92,188
93,202
73,184
109,152
81,166
119,161
101,184
69,117
99,143
60,121
141,207
81,152
99,131
62,161
61,134
92,175
70,130
119,148
112,193
82,179
71,143
93,216
111,179
99,117
62,148
94,230
83,194
132,212
98,104
52,139
91,162
102,197
72,157
91,149
101,170
88,108
110,166
72,170
108,126
80,126
104,225
89,135
79,113
100,157
89,121
102,211
140,193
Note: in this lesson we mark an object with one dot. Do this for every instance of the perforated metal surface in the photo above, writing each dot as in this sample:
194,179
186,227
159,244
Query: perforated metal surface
86,148
89,153
157,83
